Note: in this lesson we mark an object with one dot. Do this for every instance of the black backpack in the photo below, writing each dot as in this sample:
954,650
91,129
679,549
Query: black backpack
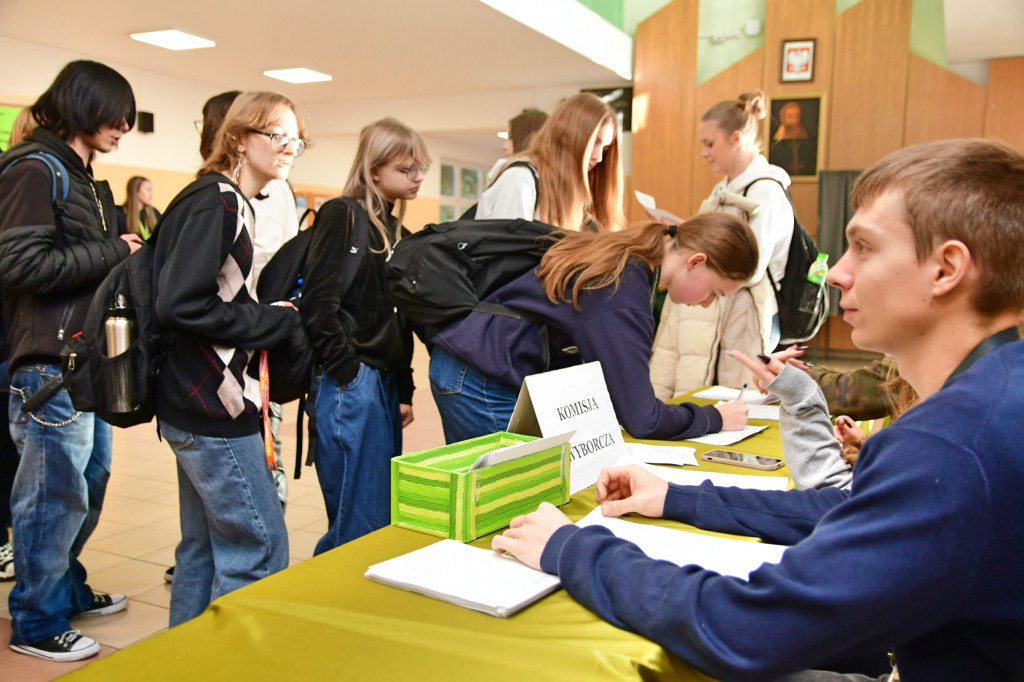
292,363
443,272
121,390
58,197
797,324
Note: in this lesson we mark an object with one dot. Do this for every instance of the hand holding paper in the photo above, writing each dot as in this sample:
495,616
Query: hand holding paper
621,490
527,535
661,215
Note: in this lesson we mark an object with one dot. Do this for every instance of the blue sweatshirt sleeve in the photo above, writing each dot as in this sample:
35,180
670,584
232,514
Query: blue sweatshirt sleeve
872,573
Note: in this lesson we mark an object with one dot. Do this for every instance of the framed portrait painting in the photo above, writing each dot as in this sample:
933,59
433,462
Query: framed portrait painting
797,60
795,134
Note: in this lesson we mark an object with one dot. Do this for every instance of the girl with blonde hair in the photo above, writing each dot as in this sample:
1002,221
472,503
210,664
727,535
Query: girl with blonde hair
592,296
362,397
688,350
574,177
209,398
138,202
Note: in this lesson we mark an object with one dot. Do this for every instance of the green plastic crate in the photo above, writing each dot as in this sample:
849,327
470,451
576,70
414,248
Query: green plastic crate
433,491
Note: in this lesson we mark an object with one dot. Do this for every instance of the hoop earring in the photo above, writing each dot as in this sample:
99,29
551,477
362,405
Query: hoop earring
238,169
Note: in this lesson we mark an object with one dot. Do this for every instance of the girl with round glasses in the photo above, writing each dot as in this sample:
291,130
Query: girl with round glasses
576,177
363,396
209,397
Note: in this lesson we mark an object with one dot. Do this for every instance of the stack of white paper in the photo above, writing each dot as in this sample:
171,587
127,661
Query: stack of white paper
471,577
747,395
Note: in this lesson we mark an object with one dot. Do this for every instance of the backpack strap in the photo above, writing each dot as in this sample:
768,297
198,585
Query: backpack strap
61,185
768,270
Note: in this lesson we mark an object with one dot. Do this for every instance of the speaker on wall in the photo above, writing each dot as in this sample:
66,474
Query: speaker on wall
145,121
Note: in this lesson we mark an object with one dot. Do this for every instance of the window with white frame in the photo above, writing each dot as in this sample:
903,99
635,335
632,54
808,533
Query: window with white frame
461,185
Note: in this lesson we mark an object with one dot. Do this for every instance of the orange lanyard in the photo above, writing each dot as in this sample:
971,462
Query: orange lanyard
268,437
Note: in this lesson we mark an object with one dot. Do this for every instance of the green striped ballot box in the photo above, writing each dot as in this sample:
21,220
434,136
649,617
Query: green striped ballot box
446,491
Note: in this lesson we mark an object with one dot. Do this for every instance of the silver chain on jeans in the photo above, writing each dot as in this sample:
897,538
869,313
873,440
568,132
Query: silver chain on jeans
39,421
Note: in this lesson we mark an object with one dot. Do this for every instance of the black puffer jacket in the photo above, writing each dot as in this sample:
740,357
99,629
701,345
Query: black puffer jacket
51,264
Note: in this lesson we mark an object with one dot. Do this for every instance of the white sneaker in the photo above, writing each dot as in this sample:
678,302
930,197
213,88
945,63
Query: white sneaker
6,562
104,605
67,646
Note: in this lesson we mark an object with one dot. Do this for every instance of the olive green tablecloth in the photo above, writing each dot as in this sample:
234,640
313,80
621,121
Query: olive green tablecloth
322,619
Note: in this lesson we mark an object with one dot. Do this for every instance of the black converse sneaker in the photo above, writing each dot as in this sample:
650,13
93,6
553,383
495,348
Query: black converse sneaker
104,604
6,562
67,646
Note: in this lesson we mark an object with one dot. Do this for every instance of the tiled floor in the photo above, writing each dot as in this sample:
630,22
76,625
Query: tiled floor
138,530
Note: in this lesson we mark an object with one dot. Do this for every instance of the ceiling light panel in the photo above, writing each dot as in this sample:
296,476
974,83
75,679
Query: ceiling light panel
173,39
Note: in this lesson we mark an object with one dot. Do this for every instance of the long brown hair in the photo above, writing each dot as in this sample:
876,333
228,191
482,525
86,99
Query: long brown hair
569,195
380,143
134,210
250,111
597,260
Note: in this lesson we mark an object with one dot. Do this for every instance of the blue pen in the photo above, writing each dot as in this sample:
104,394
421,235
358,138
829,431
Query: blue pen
740,396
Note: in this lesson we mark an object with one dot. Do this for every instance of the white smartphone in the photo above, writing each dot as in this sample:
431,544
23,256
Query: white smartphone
743,459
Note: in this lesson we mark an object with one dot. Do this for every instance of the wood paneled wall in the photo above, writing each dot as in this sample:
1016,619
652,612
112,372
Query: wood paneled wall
1004,115
869,85
664,124
878,98
941,104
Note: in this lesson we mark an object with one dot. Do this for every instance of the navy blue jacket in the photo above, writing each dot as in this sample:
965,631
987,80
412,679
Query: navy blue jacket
924,554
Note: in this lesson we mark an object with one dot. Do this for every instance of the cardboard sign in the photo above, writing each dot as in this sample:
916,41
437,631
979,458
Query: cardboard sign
573,398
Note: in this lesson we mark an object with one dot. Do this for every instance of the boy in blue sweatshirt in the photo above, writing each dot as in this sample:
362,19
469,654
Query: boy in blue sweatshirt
923,553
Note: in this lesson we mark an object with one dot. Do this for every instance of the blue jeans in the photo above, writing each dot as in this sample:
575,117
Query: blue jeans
8,461
55,504
471,404
358,431
232,525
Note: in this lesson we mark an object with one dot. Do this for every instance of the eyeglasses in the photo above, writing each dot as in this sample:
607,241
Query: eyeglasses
279,142
411,169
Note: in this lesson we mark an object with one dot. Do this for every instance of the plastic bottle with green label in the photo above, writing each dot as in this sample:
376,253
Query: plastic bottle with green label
816,281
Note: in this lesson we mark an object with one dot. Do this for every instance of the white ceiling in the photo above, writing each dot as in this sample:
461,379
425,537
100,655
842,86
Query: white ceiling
378,49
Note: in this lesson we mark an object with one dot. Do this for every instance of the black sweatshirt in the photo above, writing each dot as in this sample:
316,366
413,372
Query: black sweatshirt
209,383
358,324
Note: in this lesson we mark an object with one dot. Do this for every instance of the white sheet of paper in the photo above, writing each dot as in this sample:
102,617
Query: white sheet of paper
737,558
573,398
662,454
751,396
471,577
728,437
510,452
696,477
647,201
759,411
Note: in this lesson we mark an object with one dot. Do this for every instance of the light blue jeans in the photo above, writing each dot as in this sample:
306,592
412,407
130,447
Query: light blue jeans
232,525
471,404
55,504
358,431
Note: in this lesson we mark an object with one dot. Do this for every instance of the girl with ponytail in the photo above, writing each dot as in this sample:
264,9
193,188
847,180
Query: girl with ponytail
592,295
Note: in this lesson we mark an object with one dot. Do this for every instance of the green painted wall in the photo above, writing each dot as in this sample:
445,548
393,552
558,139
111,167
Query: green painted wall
928,31
7,116
723,16
610,10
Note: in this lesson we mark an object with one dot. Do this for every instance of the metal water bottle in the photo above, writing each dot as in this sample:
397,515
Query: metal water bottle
119,328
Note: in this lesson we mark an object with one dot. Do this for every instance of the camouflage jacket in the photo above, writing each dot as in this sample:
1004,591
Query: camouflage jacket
856,393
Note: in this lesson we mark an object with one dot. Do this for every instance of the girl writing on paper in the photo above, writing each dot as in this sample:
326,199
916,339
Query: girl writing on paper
688,350
209,397
590,299
573,179
363,396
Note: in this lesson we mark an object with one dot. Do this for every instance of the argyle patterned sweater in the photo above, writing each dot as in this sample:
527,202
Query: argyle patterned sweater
205,296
